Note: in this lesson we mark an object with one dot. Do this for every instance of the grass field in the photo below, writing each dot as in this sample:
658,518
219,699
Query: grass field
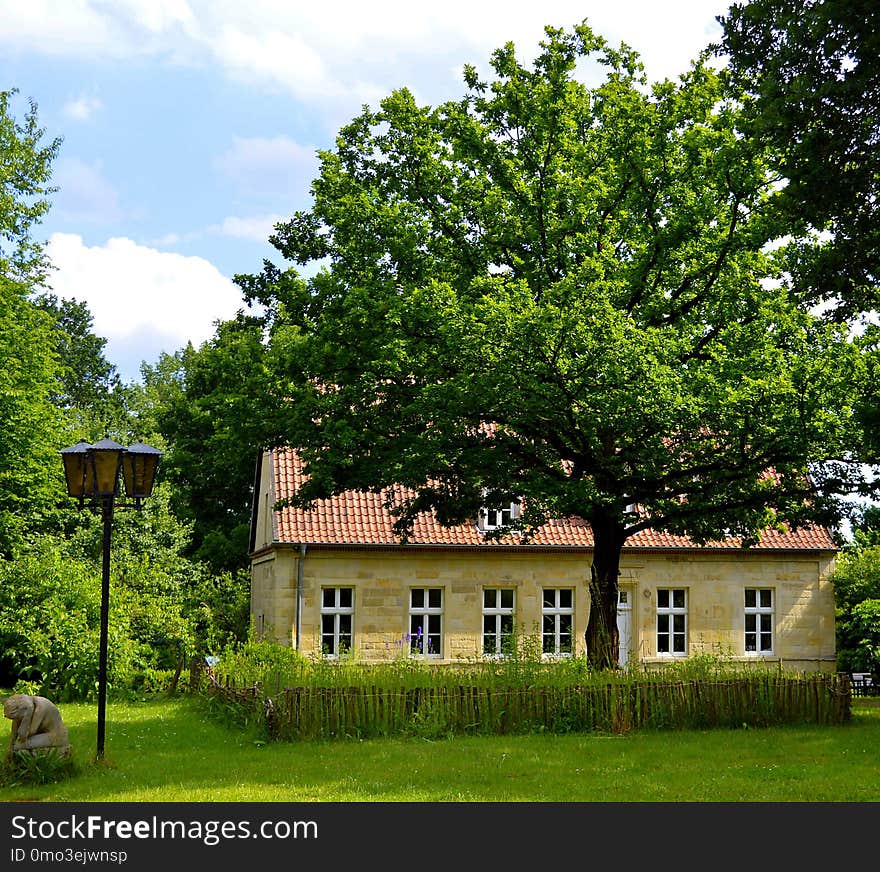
167,750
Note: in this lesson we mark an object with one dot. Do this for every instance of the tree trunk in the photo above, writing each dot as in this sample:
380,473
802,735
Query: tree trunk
601,636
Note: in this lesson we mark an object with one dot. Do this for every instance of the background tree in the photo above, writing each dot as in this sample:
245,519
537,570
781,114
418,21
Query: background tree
564,294
209,412
57,386
856,582
812,70
25,172
29,424
89,390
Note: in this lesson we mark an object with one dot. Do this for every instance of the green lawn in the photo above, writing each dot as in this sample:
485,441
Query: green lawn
166,750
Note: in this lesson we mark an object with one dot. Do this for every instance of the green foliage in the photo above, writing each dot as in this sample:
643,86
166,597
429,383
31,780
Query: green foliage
25,171
164,609
866,528
89,389
260,661
569,294
208,406
182,605
812,69
856,581
152,682
30,426
44,767
49,624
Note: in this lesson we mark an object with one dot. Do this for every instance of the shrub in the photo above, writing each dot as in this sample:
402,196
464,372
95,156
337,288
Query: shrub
50,627
856,581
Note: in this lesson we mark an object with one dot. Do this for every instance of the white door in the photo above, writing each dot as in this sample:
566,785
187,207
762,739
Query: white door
624,625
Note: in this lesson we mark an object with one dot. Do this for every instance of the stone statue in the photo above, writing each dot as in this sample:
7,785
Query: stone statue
36,723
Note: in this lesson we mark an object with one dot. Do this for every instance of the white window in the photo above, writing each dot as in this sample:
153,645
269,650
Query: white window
759,620
337,612
557,612
672,621
497,621
624,625
426,621
493,518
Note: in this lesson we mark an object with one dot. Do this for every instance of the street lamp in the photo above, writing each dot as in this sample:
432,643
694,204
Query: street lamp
93,473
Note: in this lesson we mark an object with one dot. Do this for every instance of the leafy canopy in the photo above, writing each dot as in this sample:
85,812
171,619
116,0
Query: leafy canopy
585,268
29,424
812,71
208,409
565,292
25,162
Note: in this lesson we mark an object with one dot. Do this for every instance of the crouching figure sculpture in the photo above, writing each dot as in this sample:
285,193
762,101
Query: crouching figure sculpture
36,724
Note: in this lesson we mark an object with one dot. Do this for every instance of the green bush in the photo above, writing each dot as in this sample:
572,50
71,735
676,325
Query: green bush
856,581
261,662
49,618
50,626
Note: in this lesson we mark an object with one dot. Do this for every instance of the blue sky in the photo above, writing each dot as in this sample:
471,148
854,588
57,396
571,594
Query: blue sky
190,127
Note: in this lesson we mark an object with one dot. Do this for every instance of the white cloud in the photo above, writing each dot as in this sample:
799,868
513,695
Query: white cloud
169,239
347,51
84,194
275,165
154,16
72,28
257,227
276,57
141,298
116,29
82,108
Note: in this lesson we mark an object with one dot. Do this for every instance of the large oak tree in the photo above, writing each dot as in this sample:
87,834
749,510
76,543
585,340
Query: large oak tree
563,293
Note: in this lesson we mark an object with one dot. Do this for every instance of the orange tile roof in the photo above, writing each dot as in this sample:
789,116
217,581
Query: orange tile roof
358,518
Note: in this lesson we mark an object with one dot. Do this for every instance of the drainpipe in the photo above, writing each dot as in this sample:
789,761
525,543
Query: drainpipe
299,593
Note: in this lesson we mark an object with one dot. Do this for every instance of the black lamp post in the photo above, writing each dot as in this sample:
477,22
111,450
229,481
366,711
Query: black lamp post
93,473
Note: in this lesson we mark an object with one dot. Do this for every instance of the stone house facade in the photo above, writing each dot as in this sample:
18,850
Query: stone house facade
335,580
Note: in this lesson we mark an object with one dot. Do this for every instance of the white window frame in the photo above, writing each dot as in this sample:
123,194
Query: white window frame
495,517
337,612
425,635
666,616
559,616
500,616
763,621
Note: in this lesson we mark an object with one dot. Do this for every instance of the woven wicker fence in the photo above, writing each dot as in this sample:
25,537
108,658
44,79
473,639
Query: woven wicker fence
614,707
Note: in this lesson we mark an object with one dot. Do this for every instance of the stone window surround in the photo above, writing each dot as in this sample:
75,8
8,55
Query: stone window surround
498,612
337,612
427,617
674,633
759,612
558,612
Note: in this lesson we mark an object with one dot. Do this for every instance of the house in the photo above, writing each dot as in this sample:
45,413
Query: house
336,579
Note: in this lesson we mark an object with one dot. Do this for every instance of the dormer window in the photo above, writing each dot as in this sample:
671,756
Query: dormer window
503,516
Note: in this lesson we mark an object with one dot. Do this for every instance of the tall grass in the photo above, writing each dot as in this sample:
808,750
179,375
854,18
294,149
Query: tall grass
291,697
